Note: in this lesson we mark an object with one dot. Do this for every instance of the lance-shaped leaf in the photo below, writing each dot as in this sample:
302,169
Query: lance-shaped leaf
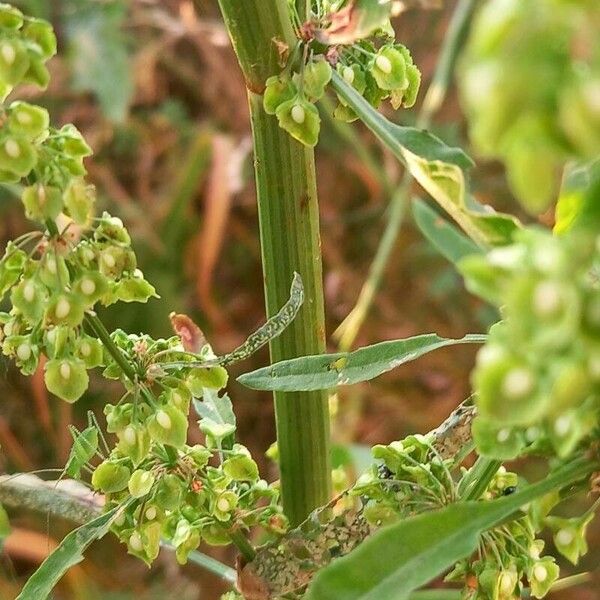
68,554
401,558
438,168
325,371
355,21
444,237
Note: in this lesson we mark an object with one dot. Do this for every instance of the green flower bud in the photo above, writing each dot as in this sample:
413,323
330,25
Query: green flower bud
140,483
541,575
316,76
569,536
388,68
65,309
168,426
17,154
110,477
29,298
278,90
42,202
67,379
79,199
10,17
300,119
206,377
27,119
40,32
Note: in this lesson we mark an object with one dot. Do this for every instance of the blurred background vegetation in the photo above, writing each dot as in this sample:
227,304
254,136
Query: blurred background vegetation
154,86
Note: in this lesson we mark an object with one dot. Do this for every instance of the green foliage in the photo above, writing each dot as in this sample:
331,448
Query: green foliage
530,83
325,371
536,378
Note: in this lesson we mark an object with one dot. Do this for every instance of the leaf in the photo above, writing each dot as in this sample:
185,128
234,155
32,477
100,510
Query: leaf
99,56
443,236
438,168
68,554
216,415
84,447
324,371
401,558
356,21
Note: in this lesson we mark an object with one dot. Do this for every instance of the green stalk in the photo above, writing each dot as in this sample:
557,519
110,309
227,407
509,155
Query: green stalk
262,33
453,42
478,478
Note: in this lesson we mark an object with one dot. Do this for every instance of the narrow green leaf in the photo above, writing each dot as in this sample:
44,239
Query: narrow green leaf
443,236
325,371
401,558
68,554
438,168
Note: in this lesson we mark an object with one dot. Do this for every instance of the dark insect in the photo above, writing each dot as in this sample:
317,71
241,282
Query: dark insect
509,490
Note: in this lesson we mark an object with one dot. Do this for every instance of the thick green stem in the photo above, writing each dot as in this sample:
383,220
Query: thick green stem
262,33
478,478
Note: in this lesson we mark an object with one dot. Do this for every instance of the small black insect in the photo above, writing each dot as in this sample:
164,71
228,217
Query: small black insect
511,489
383,472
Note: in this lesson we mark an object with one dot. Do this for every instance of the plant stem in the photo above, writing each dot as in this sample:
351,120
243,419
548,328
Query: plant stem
98,328
289,233
457,31
242,544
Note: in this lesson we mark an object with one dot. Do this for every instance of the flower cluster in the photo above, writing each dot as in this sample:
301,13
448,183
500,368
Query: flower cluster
509,555
537,378
57,275
410,478
377,71
531,86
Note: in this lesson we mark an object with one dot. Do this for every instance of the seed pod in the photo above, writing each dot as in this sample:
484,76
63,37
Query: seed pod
66,378
65,309
300,119
206,377
168,426
10,17
278,90
140,483
40,32
110,477
14,61
241,468
498,442
224,504
569,535
388,68
541,576
28,119
111,229
72,142
53,272
316,76
29,298
90,351
79,199
134,441
90,287
169,491
42,202
134,289
17,154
